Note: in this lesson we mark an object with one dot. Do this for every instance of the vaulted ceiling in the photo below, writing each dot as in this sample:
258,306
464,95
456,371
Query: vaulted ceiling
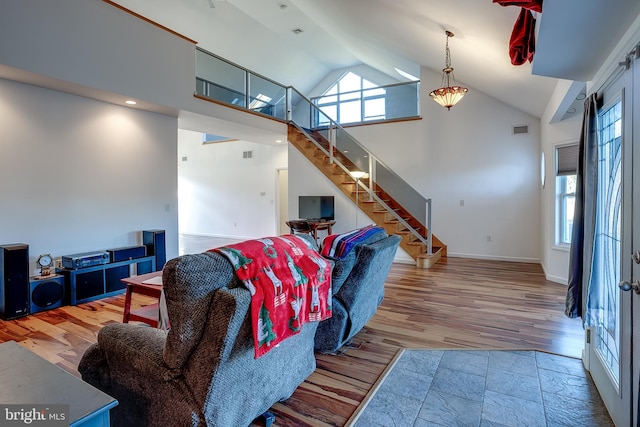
299,42
384,34
401,34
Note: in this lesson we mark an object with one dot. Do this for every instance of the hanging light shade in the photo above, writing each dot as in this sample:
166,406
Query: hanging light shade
449,94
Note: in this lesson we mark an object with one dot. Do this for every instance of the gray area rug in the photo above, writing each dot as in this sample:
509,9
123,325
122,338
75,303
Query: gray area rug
484,388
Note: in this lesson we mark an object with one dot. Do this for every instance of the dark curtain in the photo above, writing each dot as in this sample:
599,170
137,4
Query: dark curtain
581,252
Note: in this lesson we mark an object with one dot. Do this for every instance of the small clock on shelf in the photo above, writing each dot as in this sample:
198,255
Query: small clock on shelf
45,262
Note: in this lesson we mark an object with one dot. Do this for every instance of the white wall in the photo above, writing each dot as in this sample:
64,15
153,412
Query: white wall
99,46
81,175
221,193
469,154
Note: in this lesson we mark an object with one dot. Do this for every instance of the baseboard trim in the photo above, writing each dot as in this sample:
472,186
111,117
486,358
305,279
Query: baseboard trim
495,257
560,280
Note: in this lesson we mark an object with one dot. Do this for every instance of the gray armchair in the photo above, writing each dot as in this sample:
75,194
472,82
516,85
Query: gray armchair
202,371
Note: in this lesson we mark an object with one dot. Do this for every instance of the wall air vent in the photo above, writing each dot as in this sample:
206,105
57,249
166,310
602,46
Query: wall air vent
247,154
519,130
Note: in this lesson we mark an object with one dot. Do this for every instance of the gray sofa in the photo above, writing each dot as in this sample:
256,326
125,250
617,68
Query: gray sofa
358,289
202,371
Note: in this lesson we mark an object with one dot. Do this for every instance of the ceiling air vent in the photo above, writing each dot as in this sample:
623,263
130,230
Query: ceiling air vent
519,130
247,154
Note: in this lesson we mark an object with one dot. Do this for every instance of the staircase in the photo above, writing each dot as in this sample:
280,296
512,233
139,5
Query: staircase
379,205
387,199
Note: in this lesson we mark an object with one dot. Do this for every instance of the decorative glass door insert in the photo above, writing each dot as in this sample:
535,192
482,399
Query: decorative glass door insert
606,270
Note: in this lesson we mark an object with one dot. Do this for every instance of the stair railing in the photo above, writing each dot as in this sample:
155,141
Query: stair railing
317,126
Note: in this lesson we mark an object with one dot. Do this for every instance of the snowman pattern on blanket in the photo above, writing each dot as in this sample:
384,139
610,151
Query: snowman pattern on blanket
290,284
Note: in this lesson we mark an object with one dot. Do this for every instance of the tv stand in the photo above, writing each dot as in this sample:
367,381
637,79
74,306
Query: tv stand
100,281
320,224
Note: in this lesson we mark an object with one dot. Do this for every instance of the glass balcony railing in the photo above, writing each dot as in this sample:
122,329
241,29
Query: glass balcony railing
225,82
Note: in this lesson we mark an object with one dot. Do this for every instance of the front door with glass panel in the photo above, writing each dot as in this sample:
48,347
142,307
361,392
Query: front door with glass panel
609,351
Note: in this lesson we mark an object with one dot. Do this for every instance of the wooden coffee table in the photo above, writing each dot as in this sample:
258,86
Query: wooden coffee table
149,284
32,383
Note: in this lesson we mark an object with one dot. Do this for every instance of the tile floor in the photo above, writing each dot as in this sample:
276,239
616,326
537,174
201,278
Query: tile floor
486,389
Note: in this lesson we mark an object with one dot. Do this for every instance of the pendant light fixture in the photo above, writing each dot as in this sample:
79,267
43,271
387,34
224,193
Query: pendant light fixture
449,94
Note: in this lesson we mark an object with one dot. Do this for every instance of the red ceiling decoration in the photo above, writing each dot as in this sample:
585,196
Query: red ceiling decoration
534,5
522,45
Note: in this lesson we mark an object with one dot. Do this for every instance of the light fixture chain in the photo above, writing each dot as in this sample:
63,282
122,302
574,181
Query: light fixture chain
447,60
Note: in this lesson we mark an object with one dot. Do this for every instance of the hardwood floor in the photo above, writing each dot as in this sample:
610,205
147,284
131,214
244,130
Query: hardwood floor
465,303
459,303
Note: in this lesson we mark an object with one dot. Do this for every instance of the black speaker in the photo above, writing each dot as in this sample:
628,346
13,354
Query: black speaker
14,281
154,240
127,253
46,293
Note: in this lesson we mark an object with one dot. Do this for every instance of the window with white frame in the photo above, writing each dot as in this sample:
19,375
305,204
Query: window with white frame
352,99
566,167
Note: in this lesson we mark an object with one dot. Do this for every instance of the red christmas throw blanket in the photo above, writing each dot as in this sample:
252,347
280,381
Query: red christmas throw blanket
290,285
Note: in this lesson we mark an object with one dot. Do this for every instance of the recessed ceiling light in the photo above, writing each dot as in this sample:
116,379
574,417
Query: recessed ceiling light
130,102
278,141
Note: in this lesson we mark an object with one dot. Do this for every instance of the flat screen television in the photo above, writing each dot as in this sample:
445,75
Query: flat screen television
315,208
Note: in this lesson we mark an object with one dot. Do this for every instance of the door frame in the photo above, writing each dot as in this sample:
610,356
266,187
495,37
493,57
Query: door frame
635,269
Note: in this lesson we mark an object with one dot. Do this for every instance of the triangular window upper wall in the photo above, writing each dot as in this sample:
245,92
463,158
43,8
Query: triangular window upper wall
352,99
